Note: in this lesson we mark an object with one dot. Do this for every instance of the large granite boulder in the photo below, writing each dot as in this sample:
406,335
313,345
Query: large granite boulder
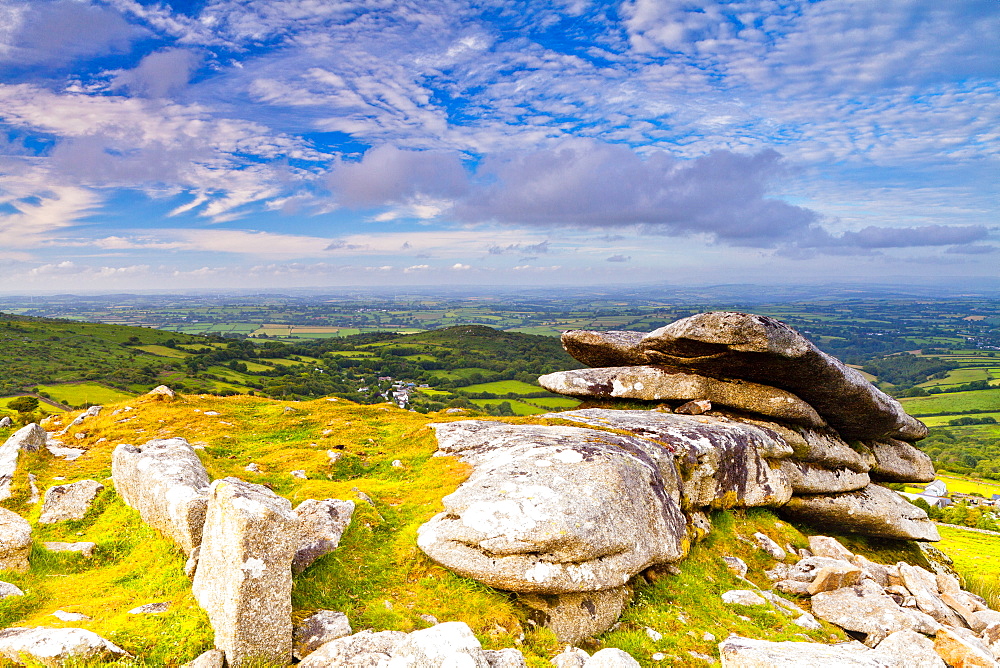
738,652
652,383
29,438
764,350
15,541
868,610
723,463
166,482
555,509
69,502
892,460
597,349
56,647
874,511
244,576
579,615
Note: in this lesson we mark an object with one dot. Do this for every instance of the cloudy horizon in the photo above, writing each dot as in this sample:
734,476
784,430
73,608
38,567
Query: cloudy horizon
293,143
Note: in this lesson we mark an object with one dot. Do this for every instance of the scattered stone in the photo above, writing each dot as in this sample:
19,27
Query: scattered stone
93,411
808,622
151,608
773,549
397,464
743,597
300,473
84,548
505,658
611,657
575,616
212,413
708,637
555,509
874,511
736,565
15,541
5,422
364,648
70,501
8,589
869,611
166,482
244,575
960,650
430,619
252,468
70,616
696,407
737,652
909,649
35,493
54,647
213,658
162,393
825,546
571,657
653,634
318,629
321,524
447,644
792,587
829,578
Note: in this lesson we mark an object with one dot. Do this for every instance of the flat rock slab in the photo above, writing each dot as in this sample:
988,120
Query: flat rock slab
70,501
874,511
808,478
54,647
611,348
652,383
737,652
722,462
166,482
867,609
244,576
555,509
761,349
892,460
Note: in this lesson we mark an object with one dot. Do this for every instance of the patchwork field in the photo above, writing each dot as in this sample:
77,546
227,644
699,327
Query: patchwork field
953,402
503,387
77,394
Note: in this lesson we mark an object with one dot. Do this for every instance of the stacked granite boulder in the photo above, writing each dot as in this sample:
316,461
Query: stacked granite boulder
747,413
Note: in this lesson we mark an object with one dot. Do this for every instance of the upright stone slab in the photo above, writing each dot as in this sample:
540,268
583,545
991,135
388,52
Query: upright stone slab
15,541
321,524
29,438
244,576
165,481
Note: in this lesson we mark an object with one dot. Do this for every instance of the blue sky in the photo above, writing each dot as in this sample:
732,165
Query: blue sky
241,143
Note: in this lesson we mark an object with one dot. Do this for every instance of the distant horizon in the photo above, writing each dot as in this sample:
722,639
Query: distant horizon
220,143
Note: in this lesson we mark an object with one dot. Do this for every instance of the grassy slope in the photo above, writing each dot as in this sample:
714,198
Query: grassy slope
953,402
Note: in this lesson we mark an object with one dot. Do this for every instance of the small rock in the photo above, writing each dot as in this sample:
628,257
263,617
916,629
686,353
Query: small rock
696,407
808,622
55,647
742,597
15,541
70,616
829,578
213,658
84,548
397,464
505,658
8,589
959,650
430,619
825,546
212,413
571,657
794,587
321,523
161,393
658,656
5,422
773,549
653,634
252,468
318,629
611,657
707,637
69,502
300,473
736,565
151,608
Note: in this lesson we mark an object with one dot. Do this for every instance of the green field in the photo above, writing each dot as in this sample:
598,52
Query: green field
77,394
953,402
455,374
503,387
518,407
943,420
556,402
164,351
974,553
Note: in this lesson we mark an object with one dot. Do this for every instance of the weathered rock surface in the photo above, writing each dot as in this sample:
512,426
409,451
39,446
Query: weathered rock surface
653,383
892,460
166,482
318,629
555,509
363,649
213,658
70,501
244,575
321,524
92,411
961,651
52,647
5,422
15,541
8,589
764,350
737,652
576,616
162,393
85,548
743,597
611,657
446,644
722,462
868,610
909,649
29,438
571,657
505,658
612,348
807,478
874,511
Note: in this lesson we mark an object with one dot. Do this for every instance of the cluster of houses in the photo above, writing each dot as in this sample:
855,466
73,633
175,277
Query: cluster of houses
398,392
937,496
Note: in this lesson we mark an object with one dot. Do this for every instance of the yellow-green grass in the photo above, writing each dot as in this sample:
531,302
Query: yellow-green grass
976,555
960,376
555,402
431,392
518,407
256,366
229,374
76,394
164,351
454,374
943,420
953,402
502,387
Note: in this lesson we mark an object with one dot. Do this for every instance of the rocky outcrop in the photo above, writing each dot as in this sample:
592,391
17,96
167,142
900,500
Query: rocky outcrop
162,393
555,509
653,383
574,617
54,647
321,524
897,461
809,478
244,575
70,501
15,541
166,482
873,510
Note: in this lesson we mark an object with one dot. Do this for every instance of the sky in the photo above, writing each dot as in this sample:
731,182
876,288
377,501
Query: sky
323,143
